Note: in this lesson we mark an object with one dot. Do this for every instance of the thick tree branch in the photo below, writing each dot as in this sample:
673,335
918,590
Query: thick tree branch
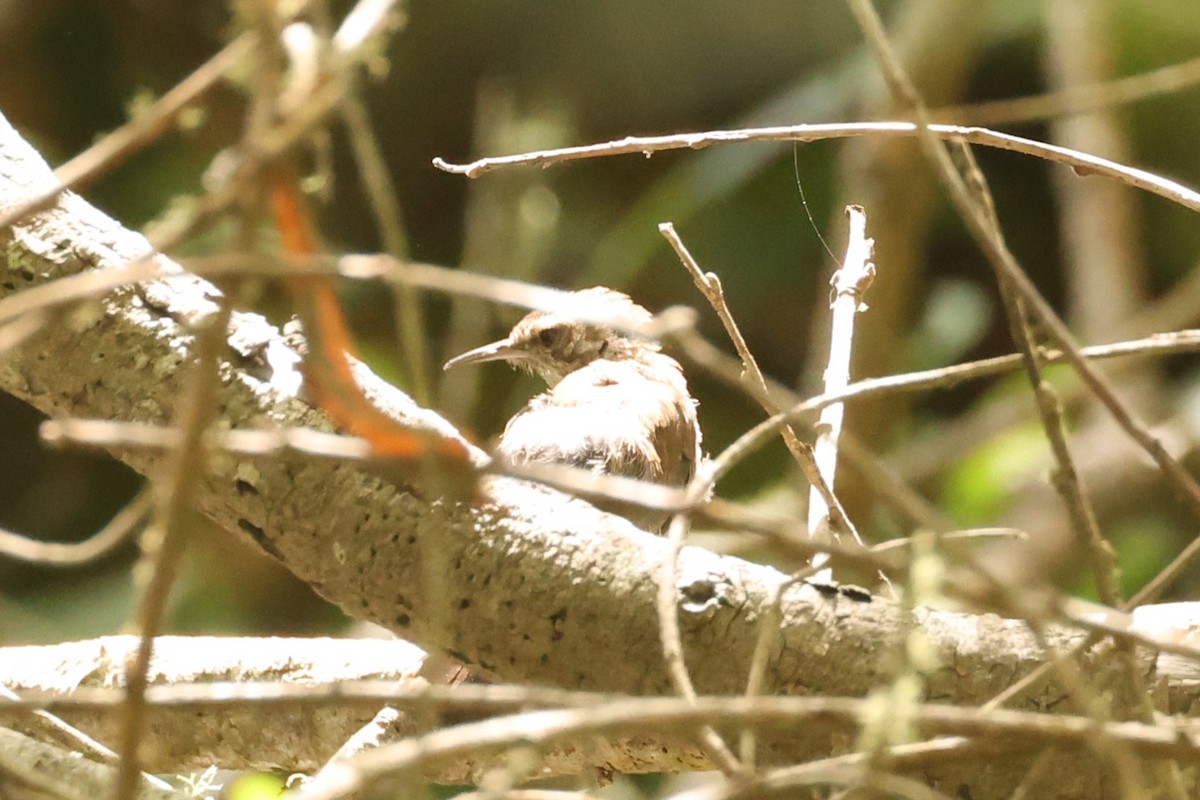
530,584
288,704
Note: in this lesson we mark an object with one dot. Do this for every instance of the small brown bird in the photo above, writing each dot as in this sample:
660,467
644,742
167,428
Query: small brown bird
615,404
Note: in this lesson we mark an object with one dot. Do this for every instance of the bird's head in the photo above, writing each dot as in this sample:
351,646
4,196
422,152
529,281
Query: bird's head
553,344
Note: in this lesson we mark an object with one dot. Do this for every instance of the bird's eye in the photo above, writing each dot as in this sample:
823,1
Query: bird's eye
549,337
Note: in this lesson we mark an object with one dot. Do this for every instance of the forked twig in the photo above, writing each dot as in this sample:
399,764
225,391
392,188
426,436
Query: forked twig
709,285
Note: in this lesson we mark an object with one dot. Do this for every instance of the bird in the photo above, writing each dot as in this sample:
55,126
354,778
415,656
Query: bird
614,403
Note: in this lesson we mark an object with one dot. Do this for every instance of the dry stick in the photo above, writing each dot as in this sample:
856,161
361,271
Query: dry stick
63,730
1083,163
730,369
1172,738
164,541
72,554
760,434
265,690
757,436
845,768
107,433
1107,260
385,207
436,278
161,541
1077,99
1010,276
848,285
820,480
727,369
574,480
671,639
1065,478
432,277
148,266
709,285
108,152
511,698
784,532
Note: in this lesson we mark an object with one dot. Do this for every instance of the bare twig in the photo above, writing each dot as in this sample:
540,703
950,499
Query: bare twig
1077,99
385,206
66,732
1066,478
709,285
524,295
672,642
847,288
163,542
538,728
56,554
1083,163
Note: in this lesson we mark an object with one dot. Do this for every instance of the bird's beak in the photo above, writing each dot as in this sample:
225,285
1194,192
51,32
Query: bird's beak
502,350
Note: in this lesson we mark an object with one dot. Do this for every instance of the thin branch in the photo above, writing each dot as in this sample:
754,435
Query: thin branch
163,542
672,643
709,285
73,554
1083,163
385,207
1077,99
848,285
1168,739
64,731
527,296
1066,479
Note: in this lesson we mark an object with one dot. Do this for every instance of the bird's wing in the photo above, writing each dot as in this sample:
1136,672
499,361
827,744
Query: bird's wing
616,417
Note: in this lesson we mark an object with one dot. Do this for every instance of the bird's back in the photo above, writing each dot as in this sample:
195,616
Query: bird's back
631,417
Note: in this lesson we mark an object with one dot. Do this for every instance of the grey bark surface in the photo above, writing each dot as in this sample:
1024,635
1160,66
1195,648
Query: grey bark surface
526,582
